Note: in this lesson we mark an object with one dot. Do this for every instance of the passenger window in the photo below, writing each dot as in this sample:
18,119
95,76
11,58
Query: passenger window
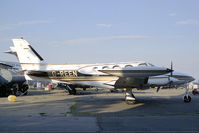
128,66
105,67
95,68
116,67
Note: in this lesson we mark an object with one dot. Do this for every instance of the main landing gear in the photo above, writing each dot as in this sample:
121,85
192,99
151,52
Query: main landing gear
129,97
186,97
71,90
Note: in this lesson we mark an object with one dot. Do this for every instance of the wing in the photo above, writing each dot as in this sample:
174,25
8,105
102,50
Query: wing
125,72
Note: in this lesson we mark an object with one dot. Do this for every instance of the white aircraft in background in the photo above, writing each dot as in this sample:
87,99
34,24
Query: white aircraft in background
113,75
172,80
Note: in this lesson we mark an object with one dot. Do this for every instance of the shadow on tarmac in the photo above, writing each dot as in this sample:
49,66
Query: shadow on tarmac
149,113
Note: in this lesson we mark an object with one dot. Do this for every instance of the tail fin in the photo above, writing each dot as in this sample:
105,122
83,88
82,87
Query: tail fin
25,52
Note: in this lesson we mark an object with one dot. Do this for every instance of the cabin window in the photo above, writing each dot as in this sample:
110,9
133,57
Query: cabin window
105,67
116,67
94,68
128,66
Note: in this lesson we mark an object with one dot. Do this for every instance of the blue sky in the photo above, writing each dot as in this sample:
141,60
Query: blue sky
103,31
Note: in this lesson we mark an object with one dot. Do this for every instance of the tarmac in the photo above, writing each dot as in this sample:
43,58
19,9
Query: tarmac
100,111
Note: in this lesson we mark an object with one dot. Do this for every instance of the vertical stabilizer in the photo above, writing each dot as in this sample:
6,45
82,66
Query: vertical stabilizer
25,52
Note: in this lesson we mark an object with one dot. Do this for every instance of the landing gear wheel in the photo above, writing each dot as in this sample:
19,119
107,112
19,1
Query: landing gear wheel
72,92
130,102
23,90
187,99
194,92
113,91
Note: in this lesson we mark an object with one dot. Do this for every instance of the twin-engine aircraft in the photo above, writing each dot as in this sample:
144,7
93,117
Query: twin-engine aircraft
113,75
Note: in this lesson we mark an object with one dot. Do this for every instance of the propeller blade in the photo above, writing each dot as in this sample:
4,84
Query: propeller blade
171,69
171,75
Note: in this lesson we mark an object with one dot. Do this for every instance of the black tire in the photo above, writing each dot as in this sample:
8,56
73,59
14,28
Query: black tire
194,92
72,92
24,88
114,91
130,102
187,99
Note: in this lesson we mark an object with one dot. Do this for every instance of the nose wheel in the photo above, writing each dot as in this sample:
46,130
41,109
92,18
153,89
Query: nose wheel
186,97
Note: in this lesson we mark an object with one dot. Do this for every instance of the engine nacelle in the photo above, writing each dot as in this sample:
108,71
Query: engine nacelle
129,82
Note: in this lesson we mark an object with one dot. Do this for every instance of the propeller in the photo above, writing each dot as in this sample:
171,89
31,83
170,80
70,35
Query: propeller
171,75
169,78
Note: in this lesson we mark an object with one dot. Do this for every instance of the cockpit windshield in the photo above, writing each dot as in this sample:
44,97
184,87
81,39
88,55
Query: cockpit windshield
142,64
149,64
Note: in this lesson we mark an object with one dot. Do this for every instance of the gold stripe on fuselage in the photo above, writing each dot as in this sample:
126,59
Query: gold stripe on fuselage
70,80
105,78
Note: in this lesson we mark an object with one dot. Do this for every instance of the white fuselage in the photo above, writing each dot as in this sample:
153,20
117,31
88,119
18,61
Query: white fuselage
98,75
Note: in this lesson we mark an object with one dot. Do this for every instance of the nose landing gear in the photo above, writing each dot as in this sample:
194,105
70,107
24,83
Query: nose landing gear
186,97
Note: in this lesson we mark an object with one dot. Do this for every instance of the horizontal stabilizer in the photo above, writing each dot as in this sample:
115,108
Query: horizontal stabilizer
5,66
